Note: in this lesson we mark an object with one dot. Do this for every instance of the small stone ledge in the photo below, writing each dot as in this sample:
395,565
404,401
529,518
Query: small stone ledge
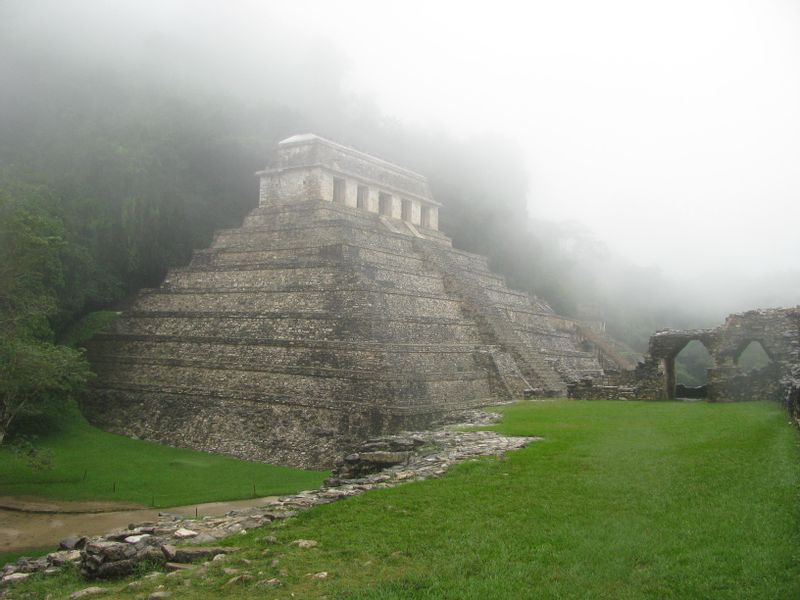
587,389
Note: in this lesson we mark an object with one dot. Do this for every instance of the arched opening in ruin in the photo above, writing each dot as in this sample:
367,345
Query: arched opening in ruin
691,367
753,357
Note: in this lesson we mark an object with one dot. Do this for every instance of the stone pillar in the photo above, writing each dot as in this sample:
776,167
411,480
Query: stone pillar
434,224
668,369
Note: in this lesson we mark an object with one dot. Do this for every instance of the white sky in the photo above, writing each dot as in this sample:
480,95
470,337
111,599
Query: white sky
672,129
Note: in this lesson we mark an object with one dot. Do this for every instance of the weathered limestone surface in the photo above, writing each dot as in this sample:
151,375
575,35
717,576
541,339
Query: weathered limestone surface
307,167
778,332
319,323
775,329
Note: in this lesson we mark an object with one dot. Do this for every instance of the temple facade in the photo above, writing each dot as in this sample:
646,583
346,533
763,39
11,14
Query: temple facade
336,312
308,167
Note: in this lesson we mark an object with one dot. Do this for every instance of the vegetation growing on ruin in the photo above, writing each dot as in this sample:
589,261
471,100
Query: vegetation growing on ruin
88,464
621,500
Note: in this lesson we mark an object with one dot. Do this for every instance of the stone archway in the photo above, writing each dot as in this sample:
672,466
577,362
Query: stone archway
740,377
665,347
752,356
774,333
691,365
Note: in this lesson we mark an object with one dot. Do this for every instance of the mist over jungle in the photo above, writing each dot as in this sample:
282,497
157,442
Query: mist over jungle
129,133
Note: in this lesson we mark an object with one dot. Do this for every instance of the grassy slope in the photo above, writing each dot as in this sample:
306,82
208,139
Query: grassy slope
119,468
622,500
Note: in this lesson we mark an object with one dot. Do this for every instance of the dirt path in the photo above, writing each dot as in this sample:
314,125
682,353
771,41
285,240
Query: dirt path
35,504
46,522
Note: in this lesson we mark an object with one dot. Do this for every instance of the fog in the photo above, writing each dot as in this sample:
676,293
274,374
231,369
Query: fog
672,129
667,134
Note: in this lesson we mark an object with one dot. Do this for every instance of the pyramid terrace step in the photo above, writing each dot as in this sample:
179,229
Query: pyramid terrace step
316,211
323,328
365,292
379,317
319,344
343,391
408,405
199,369
302,257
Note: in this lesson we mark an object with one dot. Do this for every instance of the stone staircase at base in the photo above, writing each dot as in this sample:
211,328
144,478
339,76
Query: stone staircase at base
533,372
510,375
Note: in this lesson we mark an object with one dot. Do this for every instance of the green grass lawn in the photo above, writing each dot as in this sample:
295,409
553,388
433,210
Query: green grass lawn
621,500
89,464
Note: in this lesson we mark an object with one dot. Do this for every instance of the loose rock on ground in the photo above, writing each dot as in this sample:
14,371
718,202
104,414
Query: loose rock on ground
376,464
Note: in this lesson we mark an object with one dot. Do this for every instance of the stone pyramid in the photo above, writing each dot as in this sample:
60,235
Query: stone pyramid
336,312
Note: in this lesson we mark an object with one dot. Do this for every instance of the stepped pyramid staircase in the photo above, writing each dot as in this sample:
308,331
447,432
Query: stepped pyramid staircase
533,374
316,325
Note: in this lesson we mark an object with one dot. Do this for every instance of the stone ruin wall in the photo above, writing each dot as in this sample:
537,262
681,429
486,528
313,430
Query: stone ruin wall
778,332
317,324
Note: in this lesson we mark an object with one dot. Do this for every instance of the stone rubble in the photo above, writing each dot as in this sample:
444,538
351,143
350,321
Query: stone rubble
377,463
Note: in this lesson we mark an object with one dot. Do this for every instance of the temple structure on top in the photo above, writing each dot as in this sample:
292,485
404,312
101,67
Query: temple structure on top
308,167
336,312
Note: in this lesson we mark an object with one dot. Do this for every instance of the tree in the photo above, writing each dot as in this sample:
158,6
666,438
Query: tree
37,376
35,372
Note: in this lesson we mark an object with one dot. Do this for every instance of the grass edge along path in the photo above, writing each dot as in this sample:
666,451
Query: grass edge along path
91,464
621,500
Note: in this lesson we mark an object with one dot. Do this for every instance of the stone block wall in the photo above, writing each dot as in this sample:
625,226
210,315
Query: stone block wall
587,389
310,328
319,323
778,332
308,167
